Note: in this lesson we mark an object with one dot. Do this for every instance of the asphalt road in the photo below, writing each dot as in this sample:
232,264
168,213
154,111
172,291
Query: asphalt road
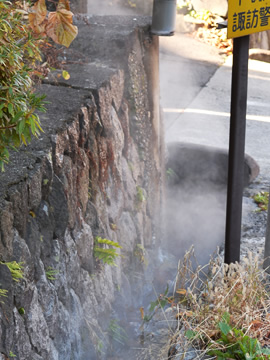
186,66
195,83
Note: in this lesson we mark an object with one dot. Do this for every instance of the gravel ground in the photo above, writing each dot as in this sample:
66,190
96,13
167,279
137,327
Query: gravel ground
254,221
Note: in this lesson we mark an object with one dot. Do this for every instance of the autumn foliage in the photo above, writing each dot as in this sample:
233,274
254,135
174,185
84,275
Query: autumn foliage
58,25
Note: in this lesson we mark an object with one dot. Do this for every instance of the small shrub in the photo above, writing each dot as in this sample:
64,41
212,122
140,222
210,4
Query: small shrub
51,273
116,332
161,301
235,344
140,195
18,102
3,293
23,30
106,255
261,199
170,173
225,308
15,268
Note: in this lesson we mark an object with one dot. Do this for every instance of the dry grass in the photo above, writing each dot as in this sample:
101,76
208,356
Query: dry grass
204,295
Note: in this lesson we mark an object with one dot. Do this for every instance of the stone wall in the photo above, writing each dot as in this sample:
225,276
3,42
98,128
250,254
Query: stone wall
260,40
95,171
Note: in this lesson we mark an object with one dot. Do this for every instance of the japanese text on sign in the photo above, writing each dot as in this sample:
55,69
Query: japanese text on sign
247,17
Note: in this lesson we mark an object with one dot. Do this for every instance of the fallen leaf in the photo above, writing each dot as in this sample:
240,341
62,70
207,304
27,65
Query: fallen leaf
65,75
37,16
181,291
60,27
256,324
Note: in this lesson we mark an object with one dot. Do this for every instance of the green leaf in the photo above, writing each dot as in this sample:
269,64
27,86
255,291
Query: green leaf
226,317
17,117
167,290
16,139
15,268
32,124
10,109
99,240
163,303
153,305
27,134
219,354
224,327
265,351
21,126
190,334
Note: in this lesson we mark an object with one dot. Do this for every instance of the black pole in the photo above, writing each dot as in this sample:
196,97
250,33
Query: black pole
236,149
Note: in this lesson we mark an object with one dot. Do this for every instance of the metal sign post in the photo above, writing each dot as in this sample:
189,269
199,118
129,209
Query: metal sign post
244,17
236,149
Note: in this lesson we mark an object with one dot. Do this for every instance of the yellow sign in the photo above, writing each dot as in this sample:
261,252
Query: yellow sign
247,17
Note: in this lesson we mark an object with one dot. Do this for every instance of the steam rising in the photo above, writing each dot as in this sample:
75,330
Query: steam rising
196,201
113,7
195,216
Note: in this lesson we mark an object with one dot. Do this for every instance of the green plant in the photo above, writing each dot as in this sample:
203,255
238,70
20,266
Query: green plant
106,255
99,347
208,294
116,332
161,301
261,199
203,15
3,293
170,172
140,195
21,311
11,354
23,29
15,268
235,344
18,102
51,273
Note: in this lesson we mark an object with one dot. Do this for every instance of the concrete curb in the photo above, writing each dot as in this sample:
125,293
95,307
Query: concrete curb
260,55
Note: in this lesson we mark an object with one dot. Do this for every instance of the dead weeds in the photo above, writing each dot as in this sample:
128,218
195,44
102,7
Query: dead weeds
204,294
